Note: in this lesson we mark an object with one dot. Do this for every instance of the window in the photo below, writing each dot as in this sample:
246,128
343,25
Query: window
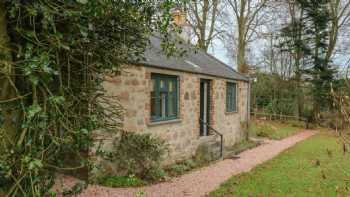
231,97
164,97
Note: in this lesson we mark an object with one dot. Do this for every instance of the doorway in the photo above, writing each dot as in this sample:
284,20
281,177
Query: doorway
205,104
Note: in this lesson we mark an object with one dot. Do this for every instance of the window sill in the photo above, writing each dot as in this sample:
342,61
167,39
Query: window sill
164,122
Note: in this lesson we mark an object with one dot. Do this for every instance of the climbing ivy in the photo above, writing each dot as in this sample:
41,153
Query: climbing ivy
58,54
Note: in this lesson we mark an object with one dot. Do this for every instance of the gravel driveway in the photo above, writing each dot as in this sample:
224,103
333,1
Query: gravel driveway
207,179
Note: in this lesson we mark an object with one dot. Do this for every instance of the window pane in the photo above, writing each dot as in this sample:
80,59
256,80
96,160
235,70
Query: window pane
153,85
153,105
163,105
229,101
171,86
231,97
234,97
161,84
172,105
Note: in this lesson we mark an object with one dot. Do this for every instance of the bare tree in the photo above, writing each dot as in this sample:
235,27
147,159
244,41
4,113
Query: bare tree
296,21
340,15
203,15
246,13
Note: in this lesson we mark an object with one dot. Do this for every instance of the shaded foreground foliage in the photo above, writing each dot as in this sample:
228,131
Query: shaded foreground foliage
54,55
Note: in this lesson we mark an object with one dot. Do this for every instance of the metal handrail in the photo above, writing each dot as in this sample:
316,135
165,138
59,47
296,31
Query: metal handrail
217,133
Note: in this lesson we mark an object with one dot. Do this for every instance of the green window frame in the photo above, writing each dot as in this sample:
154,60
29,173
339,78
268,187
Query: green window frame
231,97
164,97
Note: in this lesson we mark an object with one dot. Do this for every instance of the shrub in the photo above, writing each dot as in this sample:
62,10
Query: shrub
140,194
296,123
190,163
182,167
75,190
179,169
121,181
157,174
265,131
138,154
3,179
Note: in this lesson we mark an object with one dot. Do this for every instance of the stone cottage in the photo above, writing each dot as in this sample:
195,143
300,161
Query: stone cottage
182,100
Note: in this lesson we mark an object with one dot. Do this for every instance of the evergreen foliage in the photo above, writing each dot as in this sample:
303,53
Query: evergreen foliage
60,51
308,37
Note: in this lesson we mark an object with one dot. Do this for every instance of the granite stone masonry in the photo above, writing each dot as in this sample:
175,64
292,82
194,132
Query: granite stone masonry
133,89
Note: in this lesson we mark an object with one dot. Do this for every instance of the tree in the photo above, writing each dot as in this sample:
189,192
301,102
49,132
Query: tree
316,33
339,11
202,18
309,40
54,55
293,43
246,12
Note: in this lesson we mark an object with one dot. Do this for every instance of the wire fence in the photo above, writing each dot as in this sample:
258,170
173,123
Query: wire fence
281,117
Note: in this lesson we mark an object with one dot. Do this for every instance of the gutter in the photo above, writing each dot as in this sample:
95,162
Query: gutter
192,72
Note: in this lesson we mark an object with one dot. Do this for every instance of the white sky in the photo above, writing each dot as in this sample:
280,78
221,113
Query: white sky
219,50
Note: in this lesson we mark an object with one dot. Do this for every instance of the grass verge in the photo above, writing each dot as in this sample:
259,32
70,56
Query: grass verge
315,167
121,181
274,129
241,147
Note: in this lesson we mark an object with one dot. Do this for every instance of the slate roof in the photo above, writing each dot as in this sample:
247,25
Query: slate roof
194,61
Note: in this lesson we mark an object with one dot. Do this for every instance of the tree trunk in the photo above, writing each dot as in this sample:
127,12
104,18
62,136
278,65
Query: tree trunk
317,87
300,97
298,79
242,66
7,127
241,61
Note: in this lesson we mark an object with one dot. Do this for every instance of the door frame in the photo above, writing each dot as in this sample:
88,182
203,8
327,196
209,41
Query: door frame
204,106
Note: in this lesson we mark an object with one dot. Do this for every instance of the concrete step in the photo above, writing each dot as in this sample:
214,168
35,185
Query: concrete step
211,147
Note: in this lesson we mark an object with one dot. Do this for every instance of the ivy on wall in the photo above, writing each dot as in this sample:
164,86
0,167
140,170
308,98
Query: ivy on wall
51,69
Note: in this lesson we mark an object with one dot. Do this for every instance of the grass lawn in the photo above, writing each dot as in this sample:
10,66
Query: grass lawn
315,167
273,129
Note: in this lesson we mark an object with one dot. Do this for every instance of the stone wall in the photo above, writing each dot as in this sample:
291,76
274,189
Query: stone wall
133,88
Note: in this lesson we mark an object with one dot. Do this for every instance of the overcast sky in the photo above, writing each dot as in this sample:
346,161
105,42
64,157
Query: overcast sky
218,49
341,59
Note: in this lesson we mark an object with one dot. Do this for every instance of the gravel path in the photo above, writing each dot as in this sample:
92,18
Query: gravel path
205,180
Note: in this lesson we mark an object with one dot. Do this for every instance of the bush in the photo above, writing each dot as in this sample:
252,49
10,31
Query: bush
265,131
75,190
190,163
296,123
3,180
182,167
121,181
179,169
138,154
157,174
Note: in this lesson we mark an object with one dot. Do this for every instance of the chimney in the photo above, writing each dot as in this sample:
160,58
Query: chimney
180,20
180,17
